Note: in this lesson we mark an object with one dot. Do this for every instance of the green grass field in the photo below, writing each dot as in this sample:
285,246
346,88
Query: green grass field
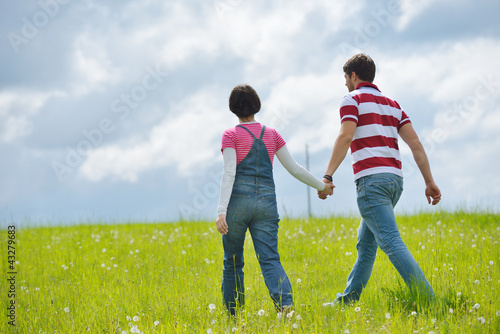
165,278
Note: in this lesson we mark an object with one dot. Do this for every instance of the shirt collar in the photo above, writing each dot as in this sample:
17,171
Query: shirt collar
367,84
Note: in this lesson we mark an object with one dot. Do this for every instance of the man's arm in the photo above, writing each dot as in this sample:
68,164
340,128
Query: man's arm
410,137
340,148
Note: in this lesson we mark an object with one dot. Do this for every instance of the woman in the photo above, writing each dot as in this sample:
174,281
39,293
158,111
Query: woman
248,200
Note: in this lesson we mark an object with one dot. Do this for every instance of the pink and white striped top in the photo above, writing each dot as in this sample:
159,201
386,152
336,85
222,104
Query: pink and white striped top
374,148
242,141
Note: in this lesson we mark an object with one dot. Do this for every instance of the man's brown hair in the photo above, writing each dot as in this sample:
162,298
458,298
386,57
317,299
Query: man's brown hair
362,65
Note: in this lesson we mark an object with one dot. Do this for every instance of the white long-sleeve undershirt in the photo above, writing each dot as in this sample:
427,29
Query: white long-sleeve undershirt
286,159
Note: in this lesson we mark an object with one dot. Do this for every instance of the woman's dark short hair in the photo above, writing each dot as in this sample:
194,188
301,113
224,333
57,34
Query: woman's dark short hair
244,101
362,65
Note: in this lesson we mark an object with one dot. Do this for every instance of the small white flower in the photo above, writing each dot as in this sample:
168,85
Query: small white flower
104,250
433,321
476,306
498,313
66,309
295,326
115,265
481,320
432,332
136,318
476,281
387,315
211,307
210,331
299,280
124,332
451,310
184,252
261,313
234,329
357,309
156,323
128,318
347,331
413,313
491,263
298,317
459,294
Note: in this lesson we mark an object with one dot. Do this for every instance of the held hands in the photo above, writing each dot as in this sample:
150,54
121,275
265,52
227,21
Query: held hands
221,224
328,191
432,191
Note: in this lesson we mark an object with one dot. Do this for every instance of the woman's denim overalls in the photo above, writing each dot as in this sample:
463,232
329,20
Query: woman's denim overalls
253,206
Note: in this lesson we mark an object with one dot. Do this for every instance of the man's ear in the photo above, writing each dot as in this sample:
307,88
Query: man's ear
354,76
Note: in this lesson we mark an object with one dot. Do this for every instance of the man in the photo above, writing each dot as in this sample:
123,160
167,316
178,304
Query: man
370,125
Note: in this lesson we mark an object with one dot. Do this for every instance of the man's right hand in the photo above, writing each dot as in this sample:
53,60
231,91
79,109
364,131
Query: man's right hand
432,192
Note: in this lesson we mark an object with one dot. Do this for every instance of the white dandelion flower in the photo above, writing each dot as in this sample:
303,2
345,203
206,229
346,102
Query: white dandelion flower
261,313
459,294
234,329
211,307
299,280
357,309
124,332
156,323
491,263
476,281
451,310
103,265
298,317
387,315
481,320
295,326
128,318
498,313
104,250
476,306
66,309
413,313
136,318
210,331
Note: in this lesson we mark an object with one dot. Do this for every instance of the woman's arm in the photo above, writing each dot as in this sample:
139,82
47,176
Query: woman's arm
226,187
299,172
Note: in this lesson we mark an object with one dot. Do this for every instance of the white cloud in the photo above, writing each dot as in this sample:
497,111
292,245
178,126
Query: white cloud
410,10
187,138
93,67
17,107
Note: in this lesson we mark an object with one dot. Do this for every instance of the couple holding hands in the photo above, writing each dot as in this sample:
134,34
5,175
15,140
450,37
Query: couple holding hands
370,126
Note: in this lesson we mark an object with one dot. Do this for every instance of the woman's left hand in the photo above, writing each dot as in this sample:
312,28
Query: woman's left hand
221,224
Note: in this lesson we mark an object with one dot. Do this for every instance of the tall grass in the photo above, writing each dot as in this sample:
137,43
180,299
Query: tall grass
163,278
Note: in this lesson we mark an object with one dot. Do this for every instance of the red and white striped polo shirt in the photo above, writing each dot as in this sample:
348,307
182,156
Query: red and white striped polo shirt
242,141
374,148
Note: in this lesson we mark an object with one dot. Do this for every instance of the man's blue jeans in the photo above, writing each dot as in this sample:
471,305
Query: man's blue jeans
377,195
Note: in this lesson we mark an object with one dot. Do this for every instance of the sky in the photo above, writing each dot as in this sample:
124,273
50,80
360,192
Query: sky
114,111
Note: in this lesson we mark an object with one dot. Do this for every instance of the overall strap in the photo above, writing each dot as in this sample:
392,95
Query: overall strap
262,133
250,132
